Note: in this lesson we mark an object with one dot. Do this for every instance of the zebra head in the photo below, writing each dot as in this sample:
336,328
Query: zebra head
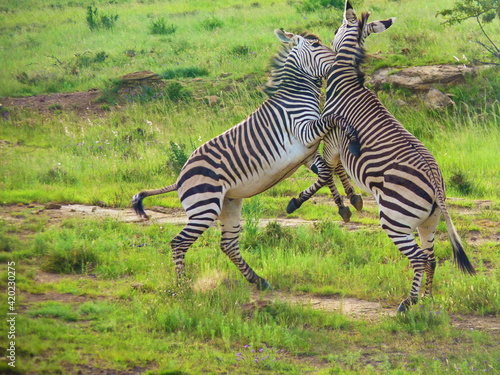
353,32
306,55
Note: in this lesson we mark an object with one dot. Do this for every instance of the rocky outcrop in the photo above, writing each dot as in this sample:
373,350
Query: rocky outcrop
422,78
143,78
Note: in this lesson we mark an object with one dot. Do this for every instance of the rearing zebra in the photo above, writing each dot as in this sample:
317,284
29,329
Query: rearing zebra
394,166
338,169
265,148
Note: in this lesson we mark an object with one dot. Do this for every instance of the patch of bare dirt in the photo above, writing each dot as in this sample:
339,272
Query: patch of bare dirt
83,103
367,310
353,307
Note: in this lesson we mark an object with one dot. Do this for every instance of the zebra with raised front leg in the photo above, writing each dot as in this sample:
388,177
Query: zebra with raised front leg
262,150
338,170
394,166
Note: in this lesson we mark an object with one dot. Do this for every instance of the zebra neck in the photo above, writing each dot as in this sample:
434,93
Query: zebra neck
342,81
299,87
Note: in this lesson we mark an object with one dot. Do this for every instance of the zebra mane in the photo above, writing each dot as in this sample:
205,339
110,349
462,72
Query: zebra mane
277,65
360,52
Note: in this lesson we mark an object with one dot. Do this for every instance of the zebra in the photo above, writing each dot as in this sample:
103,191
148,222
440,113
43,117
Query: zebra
338,170
251,157
394,166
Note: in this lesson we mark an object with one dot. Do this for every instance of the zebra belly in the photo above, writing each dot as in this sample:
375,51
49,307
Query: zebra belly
265,178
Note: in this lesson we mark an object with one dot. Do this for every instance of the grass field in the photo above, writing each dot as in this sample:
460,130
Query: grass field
96,293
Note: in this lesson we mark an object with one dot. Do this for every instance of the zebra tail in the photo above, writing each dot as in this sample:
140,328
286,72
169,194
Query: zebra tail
459,255
137,204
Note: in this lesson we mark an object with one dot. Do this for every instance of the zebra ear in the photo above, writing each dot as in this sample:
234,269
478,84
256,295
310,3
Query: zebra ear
349,13
284,36
379,26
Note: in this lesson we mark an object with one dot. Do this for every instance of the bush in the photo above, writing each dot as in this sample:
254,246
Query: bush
96,21
177,157
159,27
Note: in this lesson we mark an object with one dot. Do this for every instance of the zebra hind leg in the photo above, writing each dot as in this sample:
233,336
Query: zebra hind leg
230,226
198,223
418,260
426,233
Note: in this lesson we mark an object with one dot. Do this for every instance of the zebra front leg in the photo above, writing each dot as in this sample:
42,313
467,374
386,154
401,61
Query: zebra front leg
325,177
230,227
355,199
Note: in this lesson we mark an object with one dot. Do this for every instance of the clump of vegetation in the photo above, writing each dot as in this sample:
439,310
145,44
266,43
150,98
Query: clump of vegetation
185,72
56,175
96,21
177,157
160,27
71,259
212,23
462,183
88,58
241,50
177,92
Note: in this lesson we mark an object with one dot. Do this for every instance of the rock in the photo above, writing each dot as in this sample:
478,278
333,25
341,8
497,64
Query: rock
52,206
435,99
212,100
422,78
140,78
401,103
101,203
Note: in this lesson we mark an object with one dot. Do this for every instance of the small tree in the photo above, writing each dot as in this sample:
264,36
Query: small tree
484,11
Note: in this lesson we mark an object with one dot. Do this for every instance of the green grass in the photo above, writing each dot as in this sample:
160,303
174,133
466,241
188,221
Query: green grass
128,298
38,57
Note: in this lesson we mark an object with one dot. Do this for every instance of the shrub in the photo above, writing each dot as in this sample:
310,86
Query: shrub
96,21
177,157
160,27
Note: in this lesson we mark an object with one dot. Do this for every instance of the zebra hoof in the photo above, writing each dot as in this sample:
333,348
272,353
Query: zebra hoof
402,308
405,305
293,205
357,202
345,212
354,148
315,169
263,285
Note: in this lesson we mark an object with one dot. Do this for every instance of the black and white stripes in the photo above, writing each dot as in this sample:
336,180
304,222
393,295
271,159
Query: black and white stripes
394,166
265,148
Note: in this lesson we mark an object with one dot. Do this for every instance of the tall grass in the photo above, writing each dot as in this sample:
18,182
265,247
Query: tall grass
37,46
